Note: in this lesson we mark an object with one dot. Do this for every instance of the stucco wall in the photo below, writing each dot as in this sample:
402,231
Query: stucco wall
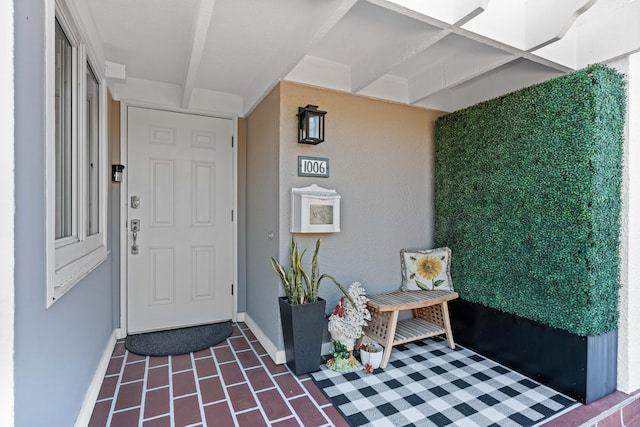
58,349
381,163
262,211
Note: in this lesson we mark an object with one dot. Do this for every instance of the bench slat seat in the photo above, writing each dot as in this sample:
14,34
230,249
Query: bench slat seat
407,300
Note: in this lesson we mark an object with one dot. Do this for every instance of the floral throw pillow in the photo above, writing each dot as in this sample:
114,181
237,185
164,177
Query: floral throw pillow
426,270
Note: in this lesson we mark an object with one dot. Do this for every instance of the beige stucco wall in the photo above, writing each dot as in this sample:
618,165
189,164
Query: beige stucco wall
381,158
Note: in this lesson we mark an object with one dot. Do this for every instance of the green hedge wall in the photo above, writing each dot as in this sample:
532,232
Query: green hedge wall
527,196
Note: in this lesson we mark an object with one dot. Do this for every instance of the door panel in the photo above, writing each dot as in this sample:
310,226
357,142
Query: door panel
180,168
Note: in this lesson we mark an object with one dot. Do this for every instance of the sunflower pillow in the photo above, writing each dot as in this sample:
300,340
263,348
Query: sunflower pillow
426,270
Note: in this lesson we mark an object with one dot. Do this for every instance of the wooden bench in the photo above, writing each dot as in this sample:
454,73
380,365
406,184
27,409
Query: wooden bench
430,318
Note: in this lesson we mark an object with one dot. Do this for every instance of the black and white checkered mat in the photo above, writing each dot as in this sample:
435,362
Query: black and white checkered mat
428,384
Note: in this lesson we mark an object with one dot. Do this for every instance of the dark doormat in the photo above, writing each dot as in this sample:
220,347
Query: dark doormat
178,341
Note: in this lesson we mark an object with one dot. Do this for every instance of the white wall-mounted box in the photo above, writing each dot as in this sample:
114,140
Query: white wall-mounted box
315,210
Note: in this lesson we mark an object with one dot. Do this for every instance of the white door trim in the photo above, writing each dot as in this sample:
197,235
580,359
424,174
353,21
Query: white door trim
124,146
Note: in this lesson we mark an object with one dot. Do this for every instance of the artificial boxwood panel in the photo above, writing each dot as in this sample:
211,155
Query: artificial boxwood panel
527,196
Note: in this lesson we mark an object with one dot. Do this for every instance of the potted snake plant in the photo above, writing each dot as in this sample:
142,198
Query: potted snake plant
302,311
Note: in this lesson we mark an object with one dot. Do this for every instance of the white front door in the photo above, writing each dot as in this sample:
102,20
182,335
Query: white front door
180,190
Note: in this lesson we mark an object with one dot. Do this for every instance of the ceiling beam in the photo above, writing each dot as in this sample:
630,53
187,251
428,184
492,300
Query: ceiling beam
398,50
202,24
465,10
454,12
415,12
480,38
514,51
289,56
558,17
454,73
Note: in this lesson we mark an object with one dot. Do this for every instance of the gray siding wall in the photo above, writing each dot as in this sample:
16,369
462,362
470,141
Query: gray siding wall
56,350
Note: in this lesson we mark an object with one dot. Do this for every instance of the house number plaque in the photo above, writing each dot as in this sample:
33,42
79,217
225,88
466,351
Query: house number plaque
313,166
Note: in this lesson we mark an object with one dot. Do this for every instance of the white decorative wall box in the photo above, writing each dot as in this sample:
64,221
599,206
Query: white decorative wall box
315,210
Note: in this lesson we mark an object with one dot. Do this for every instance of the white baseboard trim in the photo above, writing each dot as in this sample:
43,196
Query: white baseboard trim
121,334
240,317
94,388
278,356
326,348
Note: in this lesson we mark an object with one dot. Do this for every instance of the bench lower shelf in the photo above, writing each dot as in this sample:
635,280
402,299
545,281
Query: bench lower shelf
416,329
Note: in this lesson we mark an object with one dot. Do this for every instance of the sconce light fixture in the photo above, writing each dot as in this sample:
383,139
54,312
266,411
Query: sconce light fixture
116,172
310,125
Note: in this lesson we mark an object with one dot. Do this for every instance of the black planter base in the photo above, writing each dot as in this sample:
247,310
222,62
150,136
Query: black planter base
303,328
583,368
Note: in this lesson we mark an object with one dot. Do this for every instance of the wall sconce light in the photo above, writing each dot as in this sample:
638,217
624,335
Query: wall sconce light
310,125
116,172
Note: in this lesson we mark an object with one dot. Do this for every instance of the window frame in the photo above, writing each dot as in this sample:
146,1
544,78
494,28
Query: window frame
71,258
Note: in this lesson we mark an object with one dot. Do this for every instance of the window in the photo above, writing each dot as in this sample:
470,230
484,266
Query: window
76,155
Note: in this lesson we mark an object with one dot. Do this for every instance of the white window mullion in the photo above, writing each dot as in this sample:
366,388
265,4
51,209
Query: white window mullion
80,143
94,144
74,147
104,160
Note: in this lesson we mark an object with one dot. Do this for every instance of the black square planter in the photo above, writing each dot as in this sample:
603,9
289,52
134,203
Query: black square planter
584,368
303,329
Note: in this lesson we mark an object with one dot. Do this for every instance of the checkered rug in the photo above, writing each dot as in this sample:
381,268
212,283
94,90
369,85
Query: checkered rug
428,384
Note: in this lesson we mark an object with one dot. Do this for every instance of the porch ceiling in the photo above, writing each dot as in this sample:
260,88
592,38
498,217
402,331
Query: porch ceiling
438,54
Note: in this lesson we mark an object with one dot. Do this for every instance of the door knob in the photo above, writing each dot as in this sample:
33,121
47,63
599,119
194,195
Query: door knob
135,228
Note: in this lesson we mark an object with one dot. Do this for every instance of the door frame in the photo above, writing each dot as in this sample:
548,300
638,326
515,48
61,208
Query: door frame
124,160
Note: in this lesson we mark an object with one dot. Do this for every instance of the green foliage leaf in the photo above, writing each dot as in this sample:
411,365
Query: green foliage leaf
298,285
527,196
422,285
339,350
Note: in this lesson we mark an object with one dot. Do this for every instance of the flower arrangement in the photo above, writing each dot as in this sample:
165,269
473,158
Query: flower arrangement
370,356
370,347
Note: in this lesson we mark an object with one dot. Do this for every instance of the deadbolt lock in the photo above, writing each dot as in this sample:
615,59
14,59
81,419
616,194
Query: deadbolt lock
135,202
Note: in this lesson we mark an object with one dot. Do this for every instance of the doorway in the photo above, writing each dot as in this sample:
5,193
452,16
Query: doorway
180,245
